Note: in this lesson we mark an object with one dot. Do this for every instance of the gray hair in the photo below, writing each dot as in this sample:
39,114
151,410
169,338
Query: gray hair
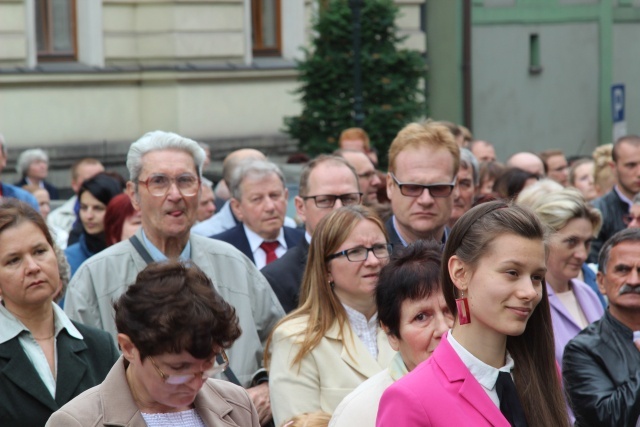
27,157
159,140
253,168
626,235
468,160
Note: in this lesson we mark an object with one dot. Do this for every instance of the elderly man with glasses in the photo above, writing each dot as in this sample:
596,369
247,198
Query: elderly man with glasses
326,183
165,176
423,163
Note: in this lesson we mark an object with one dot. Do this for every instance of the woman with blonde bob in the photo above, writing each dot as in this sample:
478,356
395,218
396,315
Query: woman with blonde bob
324,349
573,224
496,366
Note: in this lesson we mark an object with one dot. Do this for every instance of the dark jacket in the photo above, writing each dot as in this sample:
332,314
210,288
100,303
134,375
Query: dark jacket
82,364
238,238
395,239
285,275
601,375
51,189
613,210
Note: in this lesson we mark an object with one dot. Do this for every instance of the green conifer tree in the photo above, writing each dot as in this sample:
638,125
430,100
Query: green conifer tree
391,76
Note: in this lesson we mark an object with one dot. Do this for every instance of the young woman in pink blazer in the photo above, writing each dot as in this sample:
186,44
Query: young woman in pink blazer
496,367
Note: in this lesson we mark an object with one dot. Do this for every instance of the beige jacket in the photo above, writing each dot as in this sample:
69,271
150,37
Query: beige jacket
218,403
326,375
105,276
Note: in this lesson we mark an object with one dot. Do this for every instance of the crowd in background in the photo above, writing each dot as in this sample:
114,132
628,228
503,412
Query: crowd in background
452,288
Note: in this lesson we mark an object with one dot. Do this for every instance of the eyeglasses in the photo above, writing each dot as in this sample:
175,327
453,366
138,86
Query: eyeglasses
359,254
159,184
182,379
415,190
328,200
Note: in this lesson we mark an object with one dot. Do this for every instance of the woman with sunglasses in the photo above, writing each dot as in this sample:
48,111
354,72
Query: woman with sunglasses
172,328
324,349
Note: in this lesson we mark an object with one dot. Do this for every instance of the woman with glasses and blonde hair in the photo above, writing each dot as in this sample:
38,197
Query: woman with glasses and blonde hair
173,329
324,349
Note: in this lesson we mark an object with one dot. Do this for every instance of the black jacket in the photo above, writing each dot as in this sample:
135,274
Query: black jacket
601,371
613,210
285,275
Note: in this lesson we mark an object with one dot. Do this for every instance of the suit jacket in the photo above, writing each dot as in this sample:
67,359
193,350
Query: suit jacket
238,238
395,238
218,403
285,275
613,209
51,189
24,399
439,392
332,370
564,325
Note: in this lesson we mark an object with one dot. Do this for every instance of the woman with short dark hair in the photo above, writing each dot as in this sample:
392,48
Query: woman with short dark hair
173,328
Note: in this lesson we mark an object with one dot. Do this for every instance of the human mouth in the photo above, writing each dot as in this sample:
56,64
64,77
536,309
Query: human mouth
522,312
175,214
629,289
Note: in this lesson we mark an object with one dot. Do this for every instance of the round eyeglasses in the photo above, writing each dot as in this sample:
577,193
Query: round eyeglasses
159,184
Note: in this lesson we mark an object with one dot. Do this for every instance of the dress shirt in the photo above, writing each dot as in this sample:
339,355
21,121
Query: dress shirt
11,327
366,330
486,375
188,418
259,254
158,256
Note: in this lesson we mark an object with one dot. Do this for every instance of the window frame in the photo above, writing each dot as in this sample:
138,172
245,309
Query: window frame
258,48
48,54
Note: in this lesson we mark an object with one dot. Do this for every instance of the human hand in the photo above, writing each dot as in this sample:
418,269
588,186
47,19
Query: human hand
260,397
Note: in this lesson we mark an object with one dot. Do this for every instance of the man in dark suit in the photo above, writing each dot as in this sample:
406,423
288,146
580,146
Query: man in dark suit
423,163
259,201
326,183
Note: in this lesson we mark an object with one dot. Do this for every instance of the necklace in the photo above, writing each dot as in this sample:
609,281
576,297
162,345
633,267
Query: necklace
45,338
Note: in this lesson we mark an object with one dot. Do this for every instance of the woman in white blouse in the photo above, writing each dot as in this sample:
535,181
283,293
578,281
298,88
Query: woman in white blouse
332,342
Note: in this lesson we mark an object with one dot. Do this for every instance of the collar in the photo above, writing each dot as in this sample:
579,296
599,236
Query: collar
11,327
618,328
397,369
28,181
255,240
622,196
486,375
357,318
307,236
158,256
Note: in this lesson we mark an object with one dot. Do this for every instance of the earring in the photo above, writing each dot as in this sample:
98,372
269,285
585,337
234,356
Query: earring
464,315
331,284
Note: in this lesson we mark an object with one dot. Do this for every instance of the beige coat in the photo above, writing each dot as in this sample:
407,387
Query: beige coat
219,403
326,375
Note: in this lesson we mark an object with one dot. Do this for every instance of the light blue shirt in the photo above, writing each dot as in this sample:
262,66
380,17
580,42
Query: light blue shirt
10,327
158,256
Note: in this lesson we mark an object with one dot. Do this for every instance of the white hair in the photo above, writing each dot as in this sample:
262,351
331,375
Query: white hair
29,156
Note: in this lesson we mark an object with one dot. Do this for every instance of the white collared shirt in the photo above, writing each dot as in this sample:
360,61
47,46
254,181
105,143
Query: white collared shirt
486,375
366,330
259,255
10,327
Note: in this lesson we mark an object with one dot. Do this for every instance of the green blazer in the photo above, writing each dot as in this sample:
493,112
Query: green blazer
82,364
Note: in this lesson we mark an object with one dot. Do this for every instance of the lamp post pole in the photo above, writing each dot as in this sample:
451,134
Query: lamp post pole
358,113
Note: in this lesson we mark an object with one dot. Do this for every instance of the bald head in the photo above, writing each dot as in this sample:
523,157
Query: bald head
527,162
235,157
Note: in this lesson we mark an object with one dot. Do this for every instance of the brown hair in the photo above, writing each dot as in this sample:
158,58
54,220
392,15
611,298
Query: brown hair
303,188
430,134
82,162
535,373
14,212
629,139
173,307
317,299
355,133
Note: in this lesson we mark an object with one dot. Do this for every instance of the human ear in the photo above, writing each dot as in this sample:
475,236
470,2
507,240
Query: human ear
300,208
394,341
235,208
128,348
131,192
458,272
600,281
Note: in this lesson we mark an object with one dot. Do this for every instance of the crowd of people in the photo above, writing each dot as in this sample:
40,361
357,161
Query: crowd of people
451,289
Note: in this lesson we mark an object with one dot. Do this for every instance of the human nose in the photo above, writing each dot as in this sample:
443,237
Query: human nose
31,265
441,325
425,198
528,291
634,277
581,252
173,191
375,181
338,203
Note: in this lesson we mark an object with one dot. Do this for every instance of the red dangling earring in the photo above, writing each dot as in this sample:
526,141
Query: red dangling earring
464,315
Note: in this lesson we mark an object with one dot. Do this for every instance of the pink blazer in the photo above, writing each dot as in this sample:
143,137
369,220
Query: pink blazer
440,392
